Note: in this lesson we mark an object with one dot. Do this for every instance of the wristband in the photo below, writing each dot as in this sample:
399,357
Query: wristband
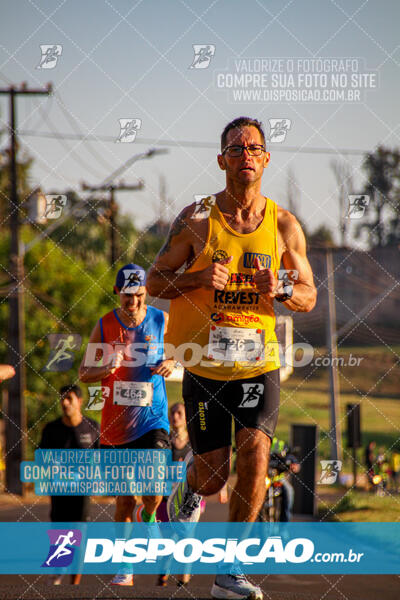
286,295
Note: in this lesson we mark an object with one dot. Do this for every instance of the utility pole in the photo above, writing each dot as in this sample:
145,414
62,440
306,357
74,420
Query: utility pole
335,434
113,208
16,414
81,205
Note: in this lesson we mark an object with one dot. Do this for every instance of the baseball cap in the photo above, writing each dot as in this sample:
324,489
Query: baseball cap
130,278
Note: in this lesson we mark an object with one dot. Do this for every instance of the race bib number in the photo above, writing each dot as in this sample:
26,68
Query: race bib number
133,393
236,344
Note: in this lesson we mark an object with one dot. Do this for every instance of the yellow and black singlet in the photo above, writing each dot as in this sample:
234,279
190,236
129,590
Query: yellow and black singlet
229,334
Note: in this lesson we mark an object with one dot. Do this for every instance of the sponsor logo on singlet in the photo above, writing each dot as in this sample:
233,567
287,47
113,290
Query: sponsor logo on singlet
241,278
217,317
219,255
250,257
245,319
236,298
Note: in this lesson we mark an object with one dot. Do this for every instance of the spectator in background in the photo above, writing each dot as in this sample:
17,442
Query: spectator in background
179,434
370,460
286,463
395,469
72,430
382,468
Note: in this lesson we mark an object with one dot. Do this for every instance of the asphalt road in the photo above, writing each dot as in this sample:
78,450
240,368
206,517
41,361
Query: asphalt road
275,587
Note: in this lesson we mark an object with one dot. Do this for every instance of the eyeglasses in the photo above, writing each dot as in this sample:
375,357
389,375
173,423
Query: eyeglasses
235,151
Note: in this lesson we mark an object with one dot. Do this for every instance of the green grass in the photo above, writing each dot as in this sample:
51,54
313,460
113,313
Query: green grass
374,384
305,399
360,506
379,417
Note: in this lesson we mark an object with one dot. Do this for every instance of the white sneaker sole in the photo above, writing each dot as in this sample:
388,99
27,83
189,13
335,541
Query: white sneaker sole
169,501
175,486
221,593
122,584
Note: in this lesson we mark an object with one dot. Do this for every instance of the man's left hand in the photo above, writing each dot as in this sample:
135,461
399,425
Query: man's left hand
265,280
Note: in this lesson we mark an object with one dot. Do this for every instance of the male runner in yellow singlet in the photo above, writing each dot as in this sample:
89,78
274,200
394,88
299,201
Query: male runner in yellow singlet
233,247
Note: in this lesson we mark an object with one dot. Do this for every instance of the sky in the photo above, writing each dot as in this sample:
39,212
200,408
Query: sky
132,60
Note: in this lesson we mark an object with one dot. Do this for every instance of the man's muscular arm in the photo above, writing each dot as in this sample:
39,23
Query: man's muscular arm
293,257
163,280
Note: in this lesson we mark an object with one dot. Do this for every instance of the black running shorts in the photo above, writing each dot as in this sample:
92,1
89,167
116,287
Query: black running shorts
210,405
69,508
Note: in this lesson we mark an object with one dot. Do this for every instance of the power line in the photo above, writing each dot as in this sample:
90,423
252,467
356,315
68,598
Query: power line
113,210
105,183
70,151
75,125
190,144
39,162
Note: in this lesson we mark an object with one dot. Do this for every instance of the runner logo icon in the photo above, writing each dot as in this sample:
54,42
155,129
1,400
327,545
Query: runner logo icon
278,129
62,348
203,205
54,205
97,397
330,471
50,55
252,393
61,552
357,206
133,281
128,130
203,54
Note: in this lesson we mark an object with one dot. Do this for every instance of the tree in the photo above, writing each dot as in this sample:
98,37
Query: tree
147,246
383,188
86,233
63,294
321,237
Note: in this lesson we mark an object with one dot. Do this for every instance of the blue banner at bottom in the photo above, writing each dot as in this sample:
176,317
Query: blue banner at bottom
295,548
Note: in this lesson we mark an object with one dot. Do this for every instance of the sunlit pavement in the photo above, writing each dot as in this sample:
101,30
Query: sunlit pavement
275,587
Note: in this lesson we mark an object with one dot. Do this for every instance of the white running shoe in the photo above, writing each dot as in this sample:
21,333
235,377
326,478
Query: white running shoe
122,578
235,586
183,505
